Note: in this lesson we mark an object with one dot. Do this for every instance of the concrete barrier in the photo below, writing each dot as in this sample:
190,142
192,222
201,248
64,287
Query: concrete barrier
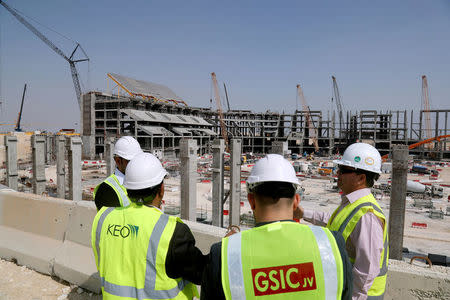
53,236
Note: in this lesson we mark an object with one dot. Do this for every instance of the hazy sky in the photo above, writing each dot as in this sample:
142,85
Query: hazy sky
377,50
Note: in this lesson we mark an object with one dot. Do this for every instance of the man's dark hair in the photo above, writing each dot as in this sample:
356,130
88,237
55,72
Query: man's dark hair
143,193
271,192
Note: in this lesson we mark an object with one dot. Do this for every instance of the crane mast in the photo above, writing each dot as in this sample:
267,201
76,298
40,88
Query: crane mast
219,110
70,60
19,117
306,111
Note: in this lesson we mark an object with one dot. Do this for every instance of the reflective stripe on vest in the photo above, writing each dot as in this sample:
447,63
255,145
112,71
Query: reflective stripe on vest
379,283
327,256
328,262
121,194
148,292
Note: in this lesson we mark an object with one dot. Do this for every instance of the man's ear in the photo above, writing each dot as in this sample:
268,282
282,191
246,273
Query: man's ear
296,201
362,179
251,200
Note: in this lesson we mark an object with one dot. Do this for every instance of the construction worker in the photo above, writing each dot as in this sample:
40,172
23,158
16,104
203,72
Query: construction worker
271,261
140,252
360,220
110,192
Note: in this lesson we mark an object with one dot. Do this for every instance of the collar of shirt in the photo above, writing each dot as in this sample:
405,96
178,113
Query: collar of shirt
354,196
265,223
120,176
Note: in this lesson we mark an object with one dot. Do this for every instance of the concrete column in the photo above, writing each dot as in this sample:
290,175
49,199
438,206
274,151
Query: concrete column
279,147
235,182
61,166
11,161
217,179
398,200
109,156
38,145
73,146
188,170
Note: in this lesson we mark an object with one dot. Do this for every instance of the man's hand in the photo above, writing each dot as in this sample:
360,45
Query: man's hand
298,213
232,229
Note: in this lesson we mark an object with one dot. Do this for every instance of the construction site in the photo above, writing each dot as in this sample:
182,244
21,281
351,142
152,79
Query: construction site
48,179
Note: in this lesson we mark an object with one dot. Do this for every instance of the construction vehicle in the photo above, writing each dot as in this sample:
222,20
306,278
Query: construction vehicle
69,58
312,130
223,128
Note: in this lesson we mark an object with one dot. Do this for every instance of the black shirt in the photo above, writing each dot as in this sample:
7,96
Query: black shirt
212,277
184,259
106,196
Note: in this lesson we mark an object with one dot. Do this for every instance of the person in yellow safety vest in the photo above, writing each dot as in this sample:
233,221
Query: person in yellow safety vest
111,192
360,220
140,252
279,258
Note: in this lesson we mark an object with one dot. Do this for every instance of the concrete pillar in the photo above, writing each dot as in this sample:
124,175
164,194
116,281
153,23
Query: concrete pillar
73,146
188,170
11,161
217,179
280,147
235,182
398,200
38,145
109,156
49,149
61,166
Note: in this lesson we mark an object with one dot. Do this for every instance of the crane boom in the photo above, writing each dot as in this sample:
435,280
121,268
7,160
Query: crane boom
337,98
73,69
219,110
426,106
306,111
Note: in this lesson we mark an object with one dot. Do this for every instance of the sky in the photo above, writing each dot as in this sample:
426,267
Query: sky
377,50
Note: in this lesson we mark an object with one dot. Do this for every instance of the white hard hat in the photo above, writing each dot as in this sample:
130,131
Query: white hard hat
127,147
143,171
361,156
272,167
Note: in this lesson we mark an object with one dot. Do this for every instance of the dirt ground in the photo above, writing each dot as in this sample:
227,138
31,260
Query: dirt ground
21,283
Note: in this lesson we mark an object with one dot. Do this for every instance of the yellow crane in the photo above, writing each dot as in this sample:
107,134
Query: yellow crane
312,129
223,128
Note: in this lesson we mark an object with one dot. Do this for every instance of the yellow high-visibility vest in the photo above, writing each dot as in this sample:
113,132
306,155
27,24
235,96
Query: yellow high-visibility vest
346,220
130,247
120,190
282,260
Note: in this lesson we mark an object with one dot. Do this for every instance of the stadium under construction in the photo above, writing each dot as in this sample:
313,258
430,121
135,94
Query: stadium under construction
158,119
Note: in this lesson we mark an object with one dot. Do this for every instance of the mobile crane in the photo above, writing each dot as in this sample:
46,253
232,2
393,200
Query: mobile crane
70,59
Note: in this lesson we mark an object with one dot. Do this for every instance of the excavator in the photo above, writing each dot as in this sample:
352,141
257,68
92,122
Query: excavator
427,141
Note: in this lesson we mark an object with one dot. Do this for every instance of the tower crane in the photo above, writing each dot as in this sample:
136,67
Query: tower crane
223,128
337,99
70,59
307,113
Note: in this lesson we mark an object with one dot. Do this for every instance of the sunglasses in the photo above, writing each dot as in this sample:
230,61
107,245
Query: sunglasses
346,170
